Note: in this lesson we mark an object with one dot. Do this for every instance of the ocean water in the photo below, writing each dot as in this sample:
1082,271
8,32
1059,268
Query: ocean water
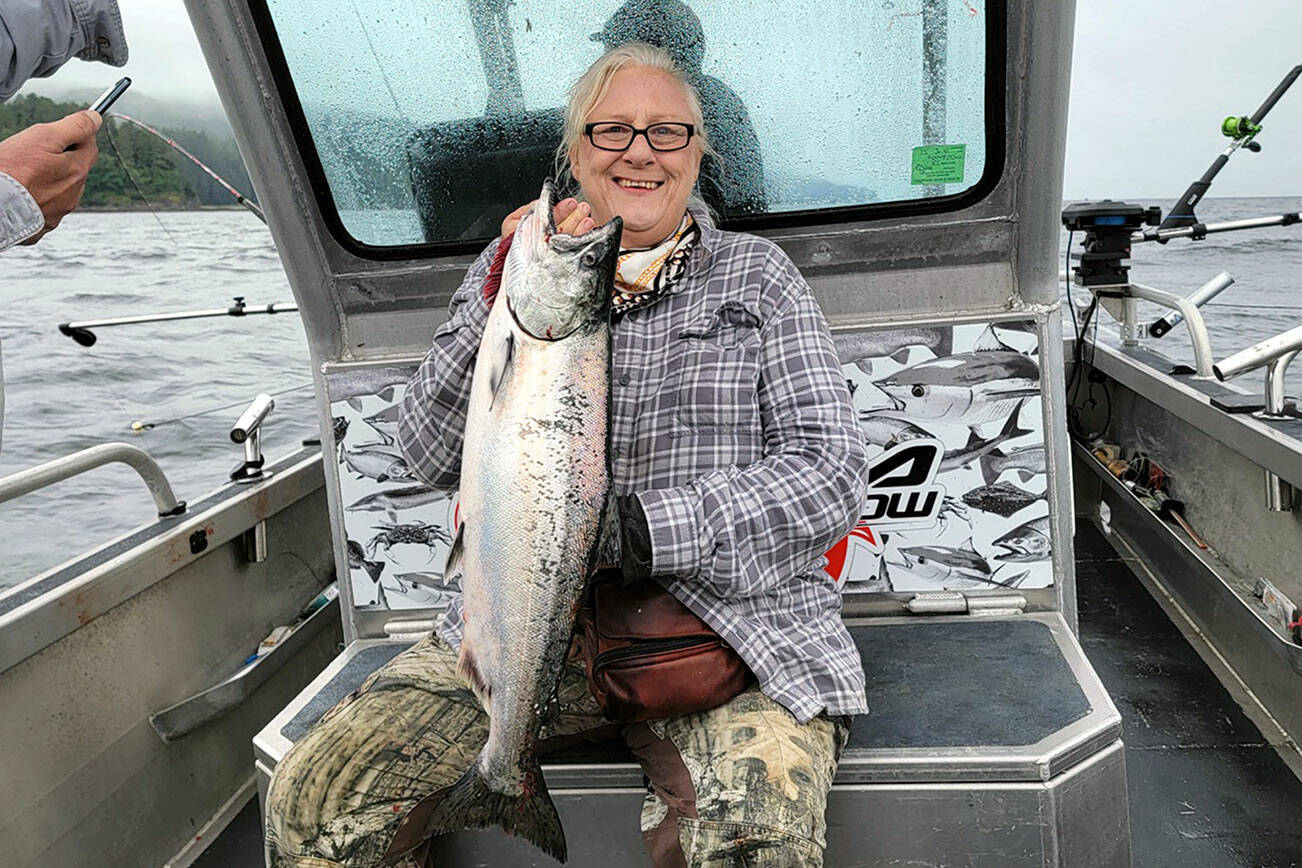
191,379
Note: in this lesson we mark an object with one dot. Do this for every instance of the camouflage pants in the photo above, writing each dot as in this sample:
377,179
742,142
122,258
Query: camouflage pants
744,784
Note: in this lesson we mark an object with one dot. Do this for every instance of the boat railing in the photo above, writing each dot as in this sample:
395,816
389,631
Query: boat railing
1131,328
1275,354
1187,308
68,466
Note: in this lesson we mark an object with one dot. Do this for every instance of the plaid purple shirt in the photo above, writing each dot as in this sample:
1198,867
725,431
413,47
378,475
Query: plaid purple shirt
733,424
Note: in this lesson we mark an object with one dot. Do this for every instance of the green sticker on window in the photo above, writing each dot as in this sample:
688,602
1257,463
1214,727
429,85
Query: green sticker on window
938,164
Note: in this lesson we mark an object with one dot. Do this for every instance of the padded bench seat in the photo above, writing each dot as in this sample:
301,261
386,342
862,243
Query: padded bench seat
988,737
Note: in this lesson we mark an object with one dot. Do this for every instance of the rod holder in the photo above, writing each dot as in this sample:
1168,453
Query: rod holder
1276,354
248,430
255,543
1259,354
1131,330
1199,297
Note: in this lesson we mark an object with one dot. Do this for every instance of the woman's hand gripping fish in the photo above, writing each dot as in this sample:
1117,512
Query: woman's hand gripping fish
535,495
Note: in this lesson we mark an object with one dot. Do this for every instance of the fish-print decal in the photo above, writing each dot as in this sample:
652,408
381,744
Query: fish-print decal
1026,542
975,388
967,388
1002,498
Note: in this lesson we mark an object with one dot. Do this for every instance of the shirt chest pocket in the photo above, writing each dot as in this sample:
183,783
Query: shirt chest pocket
715,381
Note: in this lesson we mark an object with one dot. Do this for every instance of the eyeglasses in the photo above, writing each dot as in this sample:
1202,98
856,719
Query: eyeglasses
608,136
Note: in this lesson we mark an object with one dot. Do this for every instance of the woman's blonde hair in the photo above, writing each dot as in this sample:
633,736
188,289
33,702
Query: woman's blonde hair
591,87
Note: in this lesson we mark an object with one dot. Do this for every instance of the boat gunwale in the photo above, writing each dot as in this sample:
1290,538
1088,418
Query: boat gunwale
81,590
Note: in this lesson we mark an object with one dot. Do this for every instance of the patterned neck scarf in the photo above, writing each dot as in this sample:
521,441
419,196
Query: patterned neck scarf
643,276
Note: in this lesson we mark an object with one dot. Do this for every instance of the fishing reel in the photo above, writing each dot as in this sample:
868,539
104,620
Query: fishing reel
1242,129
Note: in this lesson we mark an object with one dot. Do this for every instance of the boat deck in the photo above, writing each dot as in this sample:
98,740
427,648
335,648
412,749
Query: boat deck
1206,789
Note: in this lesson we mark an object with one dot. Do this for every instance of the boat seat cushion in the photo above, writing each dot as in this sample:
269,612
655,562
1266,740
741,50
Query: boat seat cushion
931,684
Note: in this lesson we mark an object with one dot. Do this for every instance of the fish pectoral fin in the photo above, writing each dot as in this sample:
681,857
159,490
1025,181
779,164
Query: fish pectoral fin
468,668
500,355
452,569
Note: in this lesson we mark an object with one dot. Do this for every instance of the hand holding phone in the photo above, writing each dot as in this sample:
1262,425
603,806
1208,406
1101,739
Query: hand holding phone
110,96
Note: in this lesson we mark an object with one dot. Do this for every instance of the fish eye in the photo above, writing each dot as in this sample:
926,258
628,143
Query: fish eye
589,259
918,391
922,560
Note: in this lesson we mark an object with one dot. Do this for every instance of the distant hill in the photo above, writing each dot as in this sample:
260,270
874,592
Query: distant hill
204,117
143,171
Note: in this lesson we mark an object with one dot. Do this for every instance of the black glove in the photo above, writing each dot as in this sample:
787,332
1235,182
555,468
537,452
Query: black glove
634,540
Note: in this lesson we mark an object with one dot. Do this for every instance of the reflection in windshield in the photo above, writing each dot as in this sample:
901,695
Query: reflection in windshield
431,122
732,183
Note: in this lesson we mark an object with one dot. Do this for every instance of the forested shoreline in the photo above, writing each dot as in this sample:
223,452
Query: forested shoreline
136,171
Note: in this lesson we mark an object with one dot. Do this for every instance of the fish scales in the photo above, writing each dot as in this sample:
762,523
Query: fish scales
535,495
526,554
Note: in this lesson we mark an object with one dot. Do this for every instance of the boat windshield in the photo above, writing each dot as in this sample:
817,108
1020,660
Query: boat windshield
425,124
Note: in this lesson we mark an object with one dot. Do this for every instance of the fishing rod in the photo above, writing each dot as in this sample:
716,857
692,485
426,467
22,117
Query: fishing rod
1242,132
82,334
239,197
1112,227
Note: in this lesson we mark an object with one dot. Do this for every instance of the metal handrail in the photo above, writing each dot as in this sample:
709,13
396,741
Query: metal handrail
59,469
1266,352
1186,307
1276,354
1193,319
1275,384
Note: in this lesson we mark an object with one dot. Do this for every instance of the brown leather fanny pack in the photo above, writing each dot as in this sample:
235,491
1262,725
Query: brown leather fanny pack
648,656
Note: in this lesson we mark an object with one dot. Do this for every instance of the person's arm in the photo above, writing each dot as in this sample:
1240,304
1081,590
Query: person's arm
39,36
20,216
745,530
432,421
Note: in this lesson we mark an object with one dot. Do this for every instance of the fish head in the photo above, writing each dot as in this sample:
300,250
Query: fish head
930,390
926,400
922,562
1027,542
555,283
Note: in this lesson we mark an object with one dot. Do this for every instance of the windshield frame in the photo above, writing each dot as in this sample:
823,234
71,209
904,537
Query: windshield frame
995,158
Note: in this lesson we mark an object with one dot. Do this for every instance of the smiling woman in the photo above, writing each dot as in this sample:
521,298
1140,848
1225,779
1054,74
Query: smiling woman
623,172
735,460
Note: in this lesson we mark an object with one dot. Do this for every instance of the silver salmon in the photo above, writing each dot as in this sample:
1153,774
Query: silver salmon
535,495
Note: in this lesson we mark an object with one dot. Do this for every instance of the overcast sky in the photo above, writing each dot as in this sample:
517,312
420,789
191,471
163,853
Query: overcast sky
1151,81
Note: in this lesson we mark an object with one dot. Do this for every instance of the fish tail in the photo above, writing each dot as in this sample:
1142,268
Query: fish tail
471,804
373,569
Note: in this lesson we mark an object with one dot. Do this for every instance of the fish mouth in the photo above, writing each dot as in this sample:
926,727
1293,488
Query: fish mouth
905,561
1015,551
885,387
547,201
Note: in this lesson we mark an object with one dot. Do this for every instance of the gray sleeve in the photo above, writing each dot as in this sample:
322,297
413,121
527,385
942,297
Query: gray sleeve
20,216
39,36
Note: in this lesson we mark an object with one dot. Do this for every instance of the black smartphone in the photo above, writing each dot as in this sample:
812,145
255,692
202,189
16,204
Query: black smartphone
110,96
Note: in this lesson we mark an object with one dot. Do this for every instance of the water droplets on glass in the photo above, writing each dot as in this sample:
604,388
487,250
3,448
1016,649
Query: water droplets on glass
431,124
